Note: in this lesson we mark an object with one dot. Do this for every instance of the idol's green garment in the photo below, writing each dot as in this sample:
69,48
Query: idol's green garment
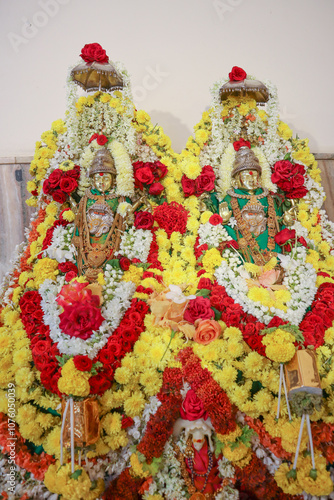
262,239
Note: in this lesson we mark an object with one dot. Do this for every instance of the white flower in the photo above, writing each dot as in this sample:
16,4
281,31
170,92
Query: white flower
177,296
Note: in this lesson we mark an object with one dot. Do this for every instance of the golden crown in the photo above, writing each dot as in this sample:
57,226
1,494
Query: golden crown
245,159
102,162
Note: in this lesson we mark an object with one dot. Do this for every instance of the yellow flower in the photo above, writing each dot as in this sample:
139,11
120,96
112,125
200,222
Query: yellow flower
237,453
133,274
134,405
289,486
69,215
211,259
279,345
112,423
142,116
45,269
137,468
24,377
73,381
105,98
260,295
243,109
122,375
52,443
284,130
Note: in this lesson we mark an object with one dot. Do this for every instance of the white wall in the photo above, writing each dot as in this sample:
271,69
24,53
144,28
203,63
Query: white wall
191,43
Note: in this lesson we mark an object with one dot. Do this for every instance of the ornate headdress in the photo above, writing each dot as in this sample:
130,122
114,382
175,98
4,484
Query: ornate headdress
102,162
245,159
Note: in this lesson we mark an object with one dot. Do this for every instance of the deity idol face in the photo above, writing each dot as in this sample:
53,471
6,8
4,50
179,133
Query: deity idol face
249,179
103,181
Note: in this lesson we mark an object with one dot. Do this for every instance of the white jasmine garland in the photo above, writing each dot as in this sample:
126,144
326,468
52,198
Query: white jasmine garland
119,295
136,243
61,248
299,279
212,235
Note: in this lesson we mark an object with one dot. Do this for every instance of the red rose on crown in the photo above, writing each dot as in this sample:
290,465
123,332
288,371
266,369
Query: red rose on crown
240,144
237,74
94,52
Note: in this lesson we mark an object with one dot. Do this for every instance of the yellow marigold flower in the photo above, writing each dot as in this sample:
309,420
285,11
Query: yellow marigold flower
254,362
235,349
262,115
100,279
6,343
279,345
211,259
324,248
73,381
284,130
201,136
260,295
191,167
142,116
69,215
192,224
237,453
231,436
52,443
136,466
226,376
22,357
232,332
122,375
282,295
290,486
134,405
105,98
322,485
112,423
26,414
11,317
263,400
45,269
133,274
58,126
313,258
329,336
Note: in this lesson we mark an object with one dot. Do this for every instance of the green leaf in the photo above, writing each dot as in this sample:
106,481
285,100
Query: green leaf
94,484
204,292
76,474
114,263
153,468
218,314
63,359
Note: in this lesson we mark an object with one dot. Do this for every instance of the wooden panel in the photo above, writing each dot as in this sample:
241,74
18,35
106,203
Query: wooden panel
14,213
327,175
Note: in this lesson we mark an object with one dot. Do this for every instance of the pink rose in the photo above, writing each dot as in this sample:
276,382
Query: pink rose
199,308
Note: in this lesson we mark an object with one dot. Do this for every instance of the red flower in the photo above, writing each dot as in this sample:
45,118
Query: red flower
83,363
290,178
215,219
127,422
47,187
143,220
156,189
188,186
205,182
101,140
124,262
68,185
65,267
81,319
171,217
285,238
144,175
94,136
192,408
94,52
70,276
199,308
59,196
232,244
54,178
237,74
240,144
99,384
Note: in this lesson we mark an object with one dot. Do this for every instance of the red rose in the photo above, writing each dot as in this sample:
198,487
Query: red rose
99,384
94,136
232,244
47,187
68,185
297,193
290,178
144,175
205,182
237,74
41,347
282,170
124,262
240,144
204,283
83,363
94,52
65,267
101,140
188,186
285,236
159,170
276,322
70,276
215,219
156,189
54,177
302,241
80,319
30,301
59,196
106,356
192,407
143,220
199,308
127,422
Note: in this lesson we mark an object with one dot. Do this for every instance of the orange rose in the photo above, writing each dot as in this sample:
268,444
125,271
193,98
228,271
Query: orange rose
207,330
